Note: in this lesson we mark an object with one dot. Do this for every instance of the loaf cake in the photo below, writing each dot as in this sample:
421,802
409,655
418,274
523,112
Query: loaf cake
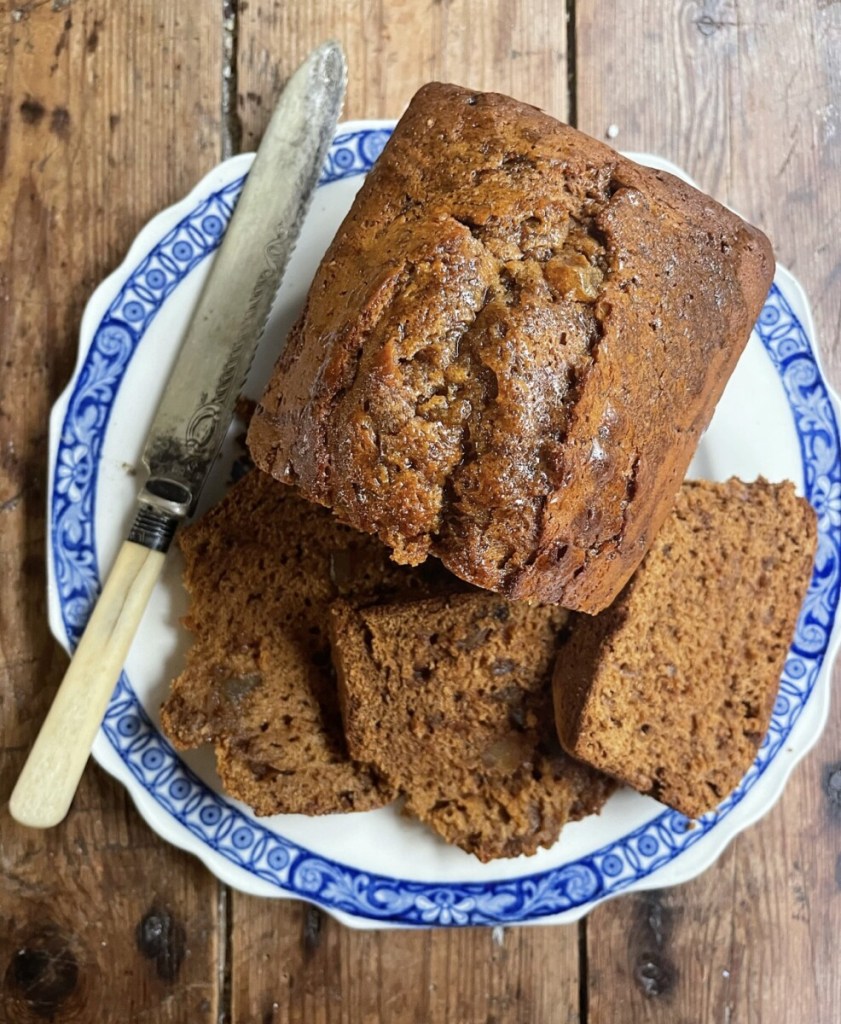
510,350
261,570
671,689
450,699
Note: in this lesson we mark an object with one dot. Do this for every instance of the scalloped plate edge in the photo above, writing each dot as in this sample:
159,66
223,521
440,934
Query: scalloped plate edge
805,732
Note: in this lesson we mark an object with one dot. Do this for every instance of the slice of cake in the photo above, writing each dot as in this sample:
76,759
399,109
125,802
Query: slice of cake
671,689
450,700
261,569
510,350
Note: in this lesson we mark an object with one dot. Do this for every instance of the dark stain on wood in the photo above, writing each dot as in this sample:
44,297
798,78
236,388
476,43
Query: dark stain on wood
92,41
31,111
162,939
708,25
113,121
10,504
654,975
5,118
62,39
42,974
832,788
60,122
653,970
313,921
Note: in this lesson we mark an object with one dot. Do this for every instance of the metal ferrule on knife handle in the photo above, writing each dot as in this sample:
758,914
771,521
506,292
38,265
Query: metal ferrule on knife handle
162,505
153,528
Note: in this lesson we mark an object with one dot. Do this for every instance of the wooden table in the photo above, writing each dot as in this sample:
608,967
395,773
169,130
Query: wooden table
111,111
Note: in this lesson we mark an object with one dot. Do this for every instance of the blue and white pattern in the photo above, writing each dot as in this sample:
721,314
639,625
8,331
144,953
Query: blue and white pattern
353,153
270,856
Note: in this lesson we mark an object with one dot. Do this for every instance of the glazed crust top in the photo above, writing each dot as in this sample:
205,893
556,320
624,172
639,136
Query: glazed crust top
510,350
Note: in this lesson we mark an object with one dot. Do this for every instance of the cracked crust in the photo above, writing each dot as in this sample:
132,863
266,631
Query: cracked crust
510,350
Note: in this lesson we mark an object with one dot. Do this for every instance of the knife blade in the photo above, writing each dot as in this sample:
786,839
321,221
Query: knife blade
196,408
192,419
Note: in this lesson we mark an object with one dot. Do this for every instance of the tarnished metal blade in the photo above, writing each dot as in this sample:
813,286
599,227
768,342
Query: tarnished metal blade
197,405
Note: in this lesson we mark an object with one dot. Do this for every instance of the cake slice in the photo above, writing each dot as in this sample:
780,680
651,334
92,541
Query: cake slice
261,569
671,689
450,700
510,350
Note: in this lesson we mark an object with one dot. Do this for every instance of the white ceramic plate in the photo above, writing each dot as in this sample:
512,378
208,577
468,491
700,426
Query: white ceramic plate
376,869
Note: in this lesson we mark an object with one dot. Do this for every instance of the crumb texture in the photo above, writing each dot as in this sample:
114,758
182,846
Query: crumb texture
261,569
671,689
450,699
510,350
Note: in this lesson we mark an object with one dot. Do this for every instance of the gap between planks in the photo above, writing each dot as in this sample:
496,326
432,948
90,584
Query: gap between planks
230,122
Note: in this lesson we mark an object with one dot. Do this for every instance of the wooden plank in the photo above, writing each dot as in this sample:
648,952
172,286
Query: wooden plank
744,96
395,47
108,113
294,964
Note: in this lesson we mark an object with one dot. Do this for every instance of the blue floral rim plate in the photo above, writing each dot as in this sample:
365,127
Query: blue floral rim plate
344,864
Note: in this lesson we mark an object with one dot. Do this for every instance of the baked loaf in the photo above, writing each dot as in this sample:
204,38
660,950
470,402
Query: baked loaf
261,569
671,689
450,699
510,350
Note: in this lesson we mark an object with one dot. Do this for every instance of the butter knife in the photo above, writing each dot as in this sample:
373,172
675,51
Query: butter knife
191,421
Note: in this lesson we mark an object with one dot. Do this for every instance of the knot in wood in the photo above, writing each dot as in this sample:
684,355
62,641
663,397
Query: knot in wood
162,939
832,788
42,978
654,975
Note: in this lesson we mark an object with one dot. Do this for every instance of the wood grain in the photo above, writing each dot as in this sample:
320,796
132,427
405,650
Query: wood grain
395,47
322,972
108,113
292,963
744,96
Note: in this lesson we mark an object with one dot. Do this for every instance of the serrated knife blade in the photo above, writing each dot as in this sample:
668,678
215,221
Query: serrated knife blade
191,421
216,353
